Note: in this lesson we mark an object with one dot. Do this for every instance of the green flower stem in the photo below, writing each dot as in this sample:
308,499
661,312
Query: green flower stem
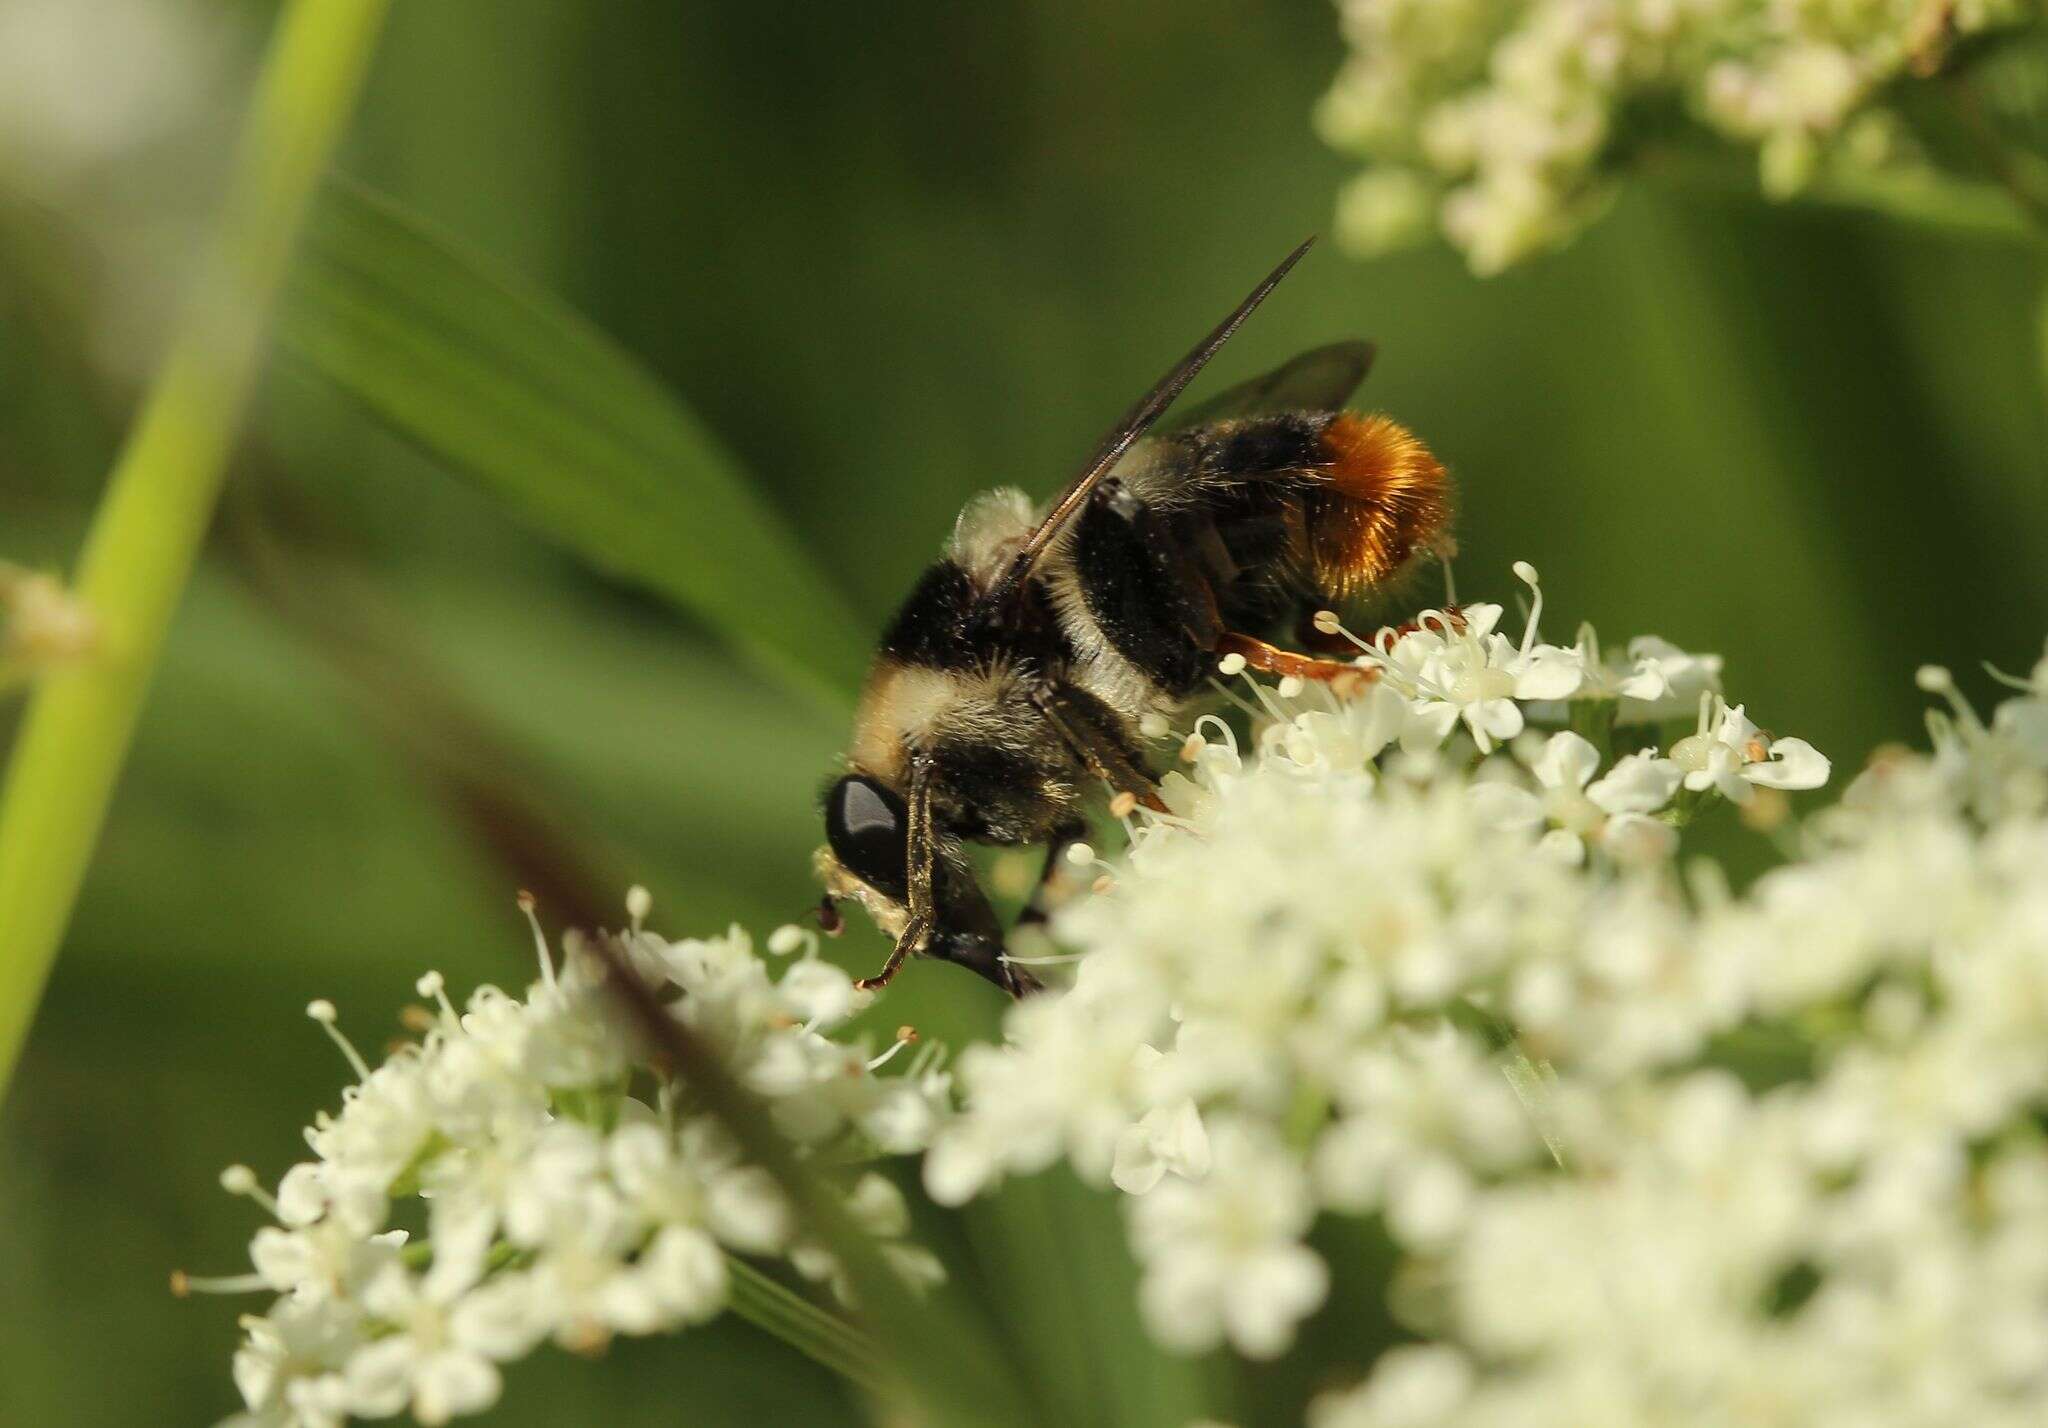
796,1321
161,495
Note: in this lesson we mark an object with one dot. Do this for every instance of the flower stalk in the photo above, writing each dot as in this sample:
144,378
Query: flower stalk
160,497
813,1332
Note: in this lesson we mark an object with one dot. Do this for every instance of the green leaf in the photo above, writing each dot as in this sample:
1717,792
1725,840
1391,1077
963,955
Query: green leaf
513,389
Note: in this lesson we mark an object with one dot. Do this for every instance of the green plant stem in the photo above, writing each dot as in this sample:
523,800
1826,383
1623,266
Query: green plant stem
161,495
802,1325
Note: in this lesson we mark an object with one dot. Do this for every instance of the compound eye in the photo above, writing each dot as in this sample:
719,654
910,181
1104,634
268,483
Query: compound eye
867,827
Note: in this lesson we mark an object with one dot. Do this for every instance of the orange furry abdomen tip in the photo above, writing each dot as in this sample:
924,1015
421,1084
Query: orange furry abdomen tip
1384,499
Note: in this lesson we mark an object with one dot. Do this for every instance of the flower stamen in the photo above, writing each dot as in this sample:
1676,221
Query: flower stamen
322,1011
540,941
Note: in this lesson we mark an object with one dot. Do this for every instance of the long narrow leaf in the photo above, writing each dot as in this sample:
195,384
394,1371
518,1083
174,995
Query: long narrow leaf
516,391
161,494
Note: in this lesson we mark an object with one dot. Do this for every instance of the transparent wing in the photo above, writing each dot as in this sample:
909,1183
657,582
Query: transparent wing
1321,379
1135,423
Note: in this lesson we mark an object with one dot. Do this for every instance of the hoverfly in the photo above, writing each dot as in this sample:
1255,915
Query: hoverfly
1019,669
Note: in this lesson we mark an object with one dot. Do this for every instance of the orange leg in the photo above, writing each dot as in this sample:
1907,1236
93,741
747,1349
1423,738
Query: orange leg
1270,659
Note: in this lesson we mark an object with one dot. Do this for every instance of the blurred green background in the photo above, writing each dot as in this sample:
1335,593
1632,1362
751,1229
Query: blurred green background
890,254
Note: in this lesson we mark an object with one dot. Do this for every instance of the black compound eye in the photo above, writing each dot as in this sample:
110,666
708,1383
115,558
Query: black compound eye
867,825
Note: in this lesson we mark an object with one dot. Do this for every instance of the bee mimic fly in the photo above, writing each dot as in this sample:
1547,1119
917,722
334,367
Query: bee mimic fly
1016,673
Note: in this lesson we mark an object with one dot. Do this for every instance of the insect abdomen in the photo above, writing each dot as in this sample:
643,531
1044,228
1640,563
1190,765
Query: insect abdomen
1383,499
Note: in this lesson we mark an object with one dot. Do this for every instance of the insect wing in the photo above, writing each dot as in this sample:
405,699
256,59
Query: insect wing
1321,379
1135,423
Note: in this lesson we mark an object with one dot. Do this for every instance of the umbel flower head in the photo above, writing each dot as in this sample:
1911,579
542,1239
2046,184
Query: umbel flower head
566,1194
1502,121
1427,954
1366,968
1309,960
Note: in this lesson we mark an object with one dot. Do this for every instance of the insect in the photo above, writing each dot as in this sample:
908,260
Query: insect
1017,672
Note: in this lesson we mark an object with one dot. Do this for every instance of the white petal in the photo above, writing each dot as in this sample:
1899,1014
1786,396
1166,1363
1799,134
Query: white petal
901,1121
1567,761
1793,764
283,1257
451,1383
391,1293
1563,845
687,1270
1632,839
1350,1163
1735,729
1480,619
302,1193
378,1379
1549,672
782,1067
639,1154
1274,1291
1413,1385
1428,1200
1493,721
1638,783
1178,1298
1182,1140
959,1166
1429,723
1504,806
878,1206
2025,721
502,1318
319,1402
817,992
1169,1137
748,1211
915,1265
1645,682
1137,1166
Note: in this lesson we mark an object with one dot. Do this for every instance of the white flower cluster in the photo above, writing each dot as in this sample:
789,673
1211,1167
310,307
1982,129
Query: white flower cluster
564,1194
1364,969
1502,118
1647,1149
1257,1030
1864,1243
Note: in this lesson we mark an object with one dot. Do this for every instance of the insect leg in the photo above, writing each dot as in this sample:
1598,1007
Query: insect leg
914,935
1270,659
1096,749
917,931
